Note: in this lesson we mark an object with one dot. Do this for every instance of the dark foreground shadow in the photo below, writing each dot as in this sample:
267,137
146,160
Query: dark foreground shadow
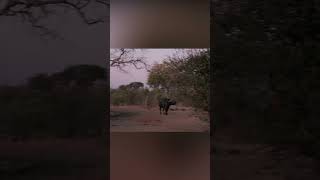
54,126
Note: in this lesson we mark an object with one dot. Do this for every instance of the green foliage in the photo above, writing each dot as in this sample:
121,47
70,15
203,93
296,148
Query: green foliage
185,78
152,97
159,76
130,94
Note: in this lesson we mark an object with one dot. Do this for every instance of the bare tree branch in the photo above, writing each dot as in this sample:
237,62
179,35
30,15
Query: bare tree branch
33,11
121,58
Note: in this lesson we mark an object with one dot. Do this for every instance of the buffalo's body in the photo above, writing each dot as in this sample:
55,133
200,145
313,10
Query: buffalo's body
164,105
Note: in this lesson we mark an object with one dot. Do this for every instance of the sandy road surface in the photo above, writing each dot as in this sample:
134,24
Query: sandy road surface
140,119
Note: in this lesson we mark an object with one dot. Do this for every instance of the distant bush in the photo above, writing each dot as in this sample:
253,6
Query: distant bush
130,94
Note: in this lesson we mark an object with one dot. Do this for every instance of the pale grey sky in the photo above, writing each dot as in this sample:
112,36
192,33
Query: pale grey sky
152,56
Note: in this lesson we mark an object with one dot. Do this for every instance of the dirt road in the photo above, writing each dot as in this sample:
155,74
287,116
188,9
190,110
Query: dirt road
140,119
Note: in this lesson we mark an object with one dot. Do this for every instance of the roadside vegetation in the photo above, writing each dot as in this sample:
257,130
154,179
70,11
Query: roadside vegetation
183,77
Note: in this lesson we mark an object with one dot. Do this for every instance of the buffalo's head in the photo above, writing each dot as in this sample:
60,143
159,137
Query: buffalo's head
172,102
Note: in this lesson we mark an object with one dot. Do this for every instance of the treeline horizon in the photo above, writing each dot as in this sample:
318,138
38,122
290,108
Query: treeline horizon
67,103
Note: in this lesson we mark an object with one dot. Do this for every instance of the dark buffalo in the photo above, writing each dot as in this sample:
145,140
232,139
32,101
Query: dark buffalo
164,105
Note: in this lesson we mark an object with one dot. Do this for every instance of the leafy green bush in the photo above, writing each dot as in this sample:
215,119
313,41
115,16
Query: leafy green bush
184,78
130,94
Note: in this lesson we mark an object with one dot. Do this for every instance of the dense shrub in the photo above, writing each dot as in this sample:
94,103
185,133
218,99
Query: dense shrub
184,77
130,94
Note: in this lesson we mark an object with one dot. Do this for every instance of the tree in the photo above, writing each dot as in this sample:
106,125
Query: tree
185,76
135,85
159,77
83,75
35,11
129,94
121,58
40,82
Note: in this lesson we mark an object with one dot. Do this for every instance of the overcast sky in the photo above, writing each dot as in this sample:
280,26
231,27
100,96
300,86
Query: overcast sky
152,56
24,53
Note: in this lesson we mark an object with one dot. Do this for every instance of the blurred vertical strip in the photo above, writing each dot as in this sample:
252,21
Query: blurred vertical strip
160,24
54,89
211,87
160,156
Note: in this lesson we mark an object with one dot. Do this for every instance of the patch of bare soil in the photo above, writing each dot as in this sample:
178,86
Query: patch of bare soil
140,119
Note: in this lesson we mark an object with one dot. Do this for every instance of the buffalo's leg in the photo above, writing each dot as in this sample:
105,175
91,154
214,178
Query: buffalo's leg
160,109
